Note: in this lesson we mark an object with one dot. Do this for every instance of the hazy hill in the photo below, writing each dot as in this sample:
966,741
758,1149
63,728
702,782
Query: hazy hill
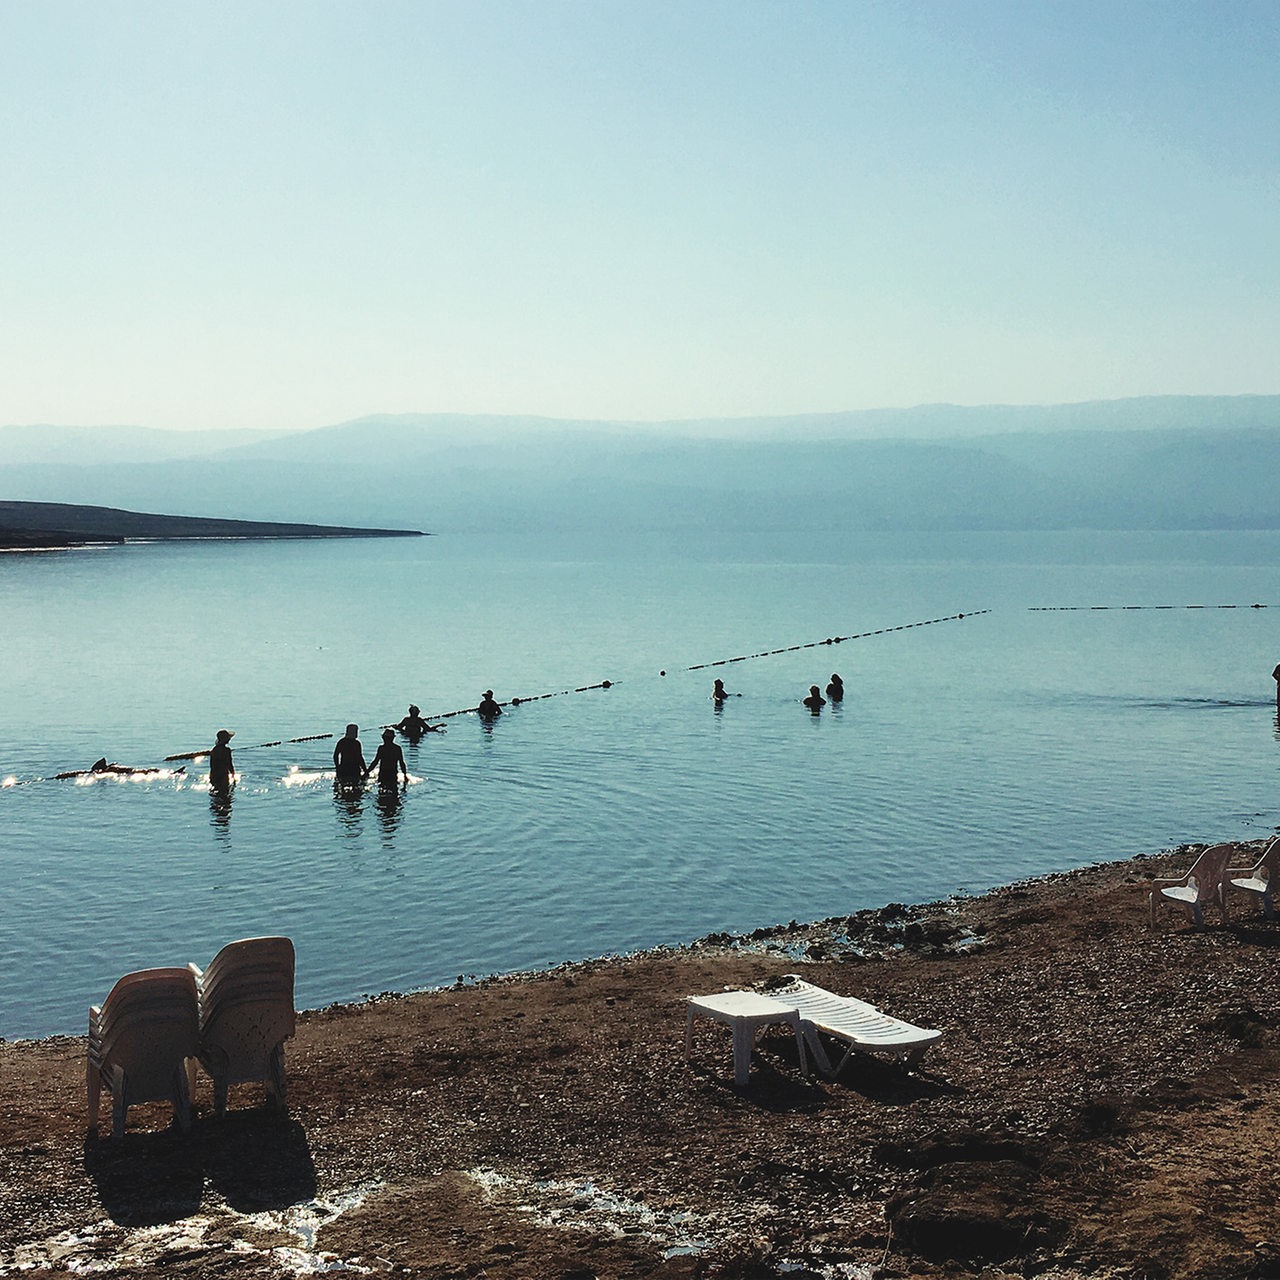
88,446
1168,462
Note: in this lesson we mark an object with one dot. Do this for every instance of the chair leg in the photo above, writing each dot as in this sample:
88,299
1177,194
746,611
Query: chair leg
119,1105
816,1050
93,1090
182,1098
275,1079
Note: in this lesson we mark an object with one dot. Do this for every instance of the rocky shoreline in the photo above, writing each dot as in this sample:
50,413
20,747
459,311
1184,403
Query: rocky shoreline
1100,1104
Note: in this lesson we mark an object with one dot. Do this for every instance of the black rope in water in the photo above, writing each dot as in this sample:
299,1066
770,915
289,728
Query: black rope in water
817,644
519,702
441,715
1131,608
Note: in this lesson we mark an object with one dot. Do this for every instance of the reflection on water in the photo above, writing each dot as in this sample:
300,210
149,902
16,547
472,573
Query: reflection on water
1004,745
390,811
220,810
348,803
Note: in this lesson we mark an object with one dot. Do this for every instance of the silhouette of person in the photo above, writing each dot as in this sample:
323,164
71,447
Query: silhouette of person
120,770
389,761
488,709
719,693
815,701
222,772
348,758
835,690
414,726
1275,675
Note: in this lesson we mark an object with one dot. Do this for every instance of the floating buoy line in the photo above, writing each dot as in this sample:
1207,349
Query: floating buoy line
817,644
697,666
1131,608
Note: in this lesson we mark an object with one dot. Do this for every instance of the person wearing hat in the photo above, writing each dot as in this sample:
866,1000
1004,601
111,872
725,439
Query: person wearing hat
414,726
488,709
389,762
348,758
222,772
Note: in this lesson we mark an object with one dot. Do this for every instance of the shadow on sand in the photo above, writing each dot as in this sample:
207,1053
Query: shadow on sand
255,1160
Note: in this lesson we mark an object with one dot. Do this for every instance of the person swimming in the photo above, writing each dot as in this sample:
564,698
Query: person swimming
389,761
815,701
414,726
348,758
488,708
835,690
719,693
101,766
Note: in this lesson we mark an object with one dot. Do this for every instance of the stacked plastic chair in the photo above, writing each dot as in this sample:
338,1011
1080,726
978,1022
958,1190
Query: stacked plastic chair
143,1041
246,1015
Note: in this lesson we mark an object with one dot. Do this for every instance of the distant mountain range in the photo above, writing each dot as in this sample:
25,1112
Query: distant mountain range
1195,462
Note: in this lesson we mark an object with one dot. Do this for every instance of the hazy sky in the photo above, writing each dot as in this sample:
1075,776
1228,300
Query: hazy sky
288,214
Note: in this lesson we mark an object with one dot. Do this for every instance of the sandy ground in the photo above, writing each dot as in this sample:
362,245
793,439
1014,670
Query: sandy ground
1102,1103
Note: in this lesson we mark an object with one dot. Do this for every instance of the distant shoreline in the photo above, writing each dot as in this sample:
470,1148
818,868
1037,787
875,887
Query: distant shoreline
57,526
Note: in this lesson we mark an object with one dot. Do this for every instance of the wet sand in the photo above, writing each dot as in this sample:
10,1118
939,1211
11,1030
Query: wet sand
1102,1103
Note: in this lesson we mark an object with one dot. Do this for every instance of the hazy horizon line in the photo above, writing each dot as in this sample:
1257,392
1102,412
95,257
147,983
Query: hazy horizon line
575,420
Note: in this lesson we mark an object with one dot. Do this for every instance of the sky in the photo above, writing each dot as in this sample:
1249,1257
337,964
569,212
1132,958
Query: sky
279,215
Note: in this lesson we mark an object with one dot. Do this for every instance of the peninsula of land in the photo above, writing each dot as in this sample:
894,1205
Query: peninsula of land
44,526
1101,1104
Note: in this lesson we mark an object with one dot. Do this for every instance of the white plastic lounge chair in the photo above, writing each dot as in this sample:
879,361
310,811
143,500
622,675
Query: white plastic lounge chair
246,1015
861,1026
143,1040
1201,886
1261,878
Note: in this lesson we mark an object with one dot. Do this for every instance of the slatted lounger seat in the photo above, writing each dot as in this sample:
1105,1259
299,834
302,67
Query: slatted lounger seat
861,1026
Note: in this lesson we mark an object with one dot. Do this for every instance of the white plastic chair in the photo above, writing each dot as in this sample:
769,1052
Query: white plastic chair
143,1040
860,1025
246,1015
1202,886
1261,878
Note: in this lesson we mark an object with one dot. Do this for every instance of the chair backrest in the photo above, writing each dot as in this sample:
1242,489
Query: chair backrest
1269,863
246,1001
148,1025
1209,870
256,957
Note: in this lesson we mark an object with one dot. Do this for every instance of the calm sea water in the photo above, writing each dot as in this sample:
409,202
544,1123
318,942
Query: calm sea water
967,753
